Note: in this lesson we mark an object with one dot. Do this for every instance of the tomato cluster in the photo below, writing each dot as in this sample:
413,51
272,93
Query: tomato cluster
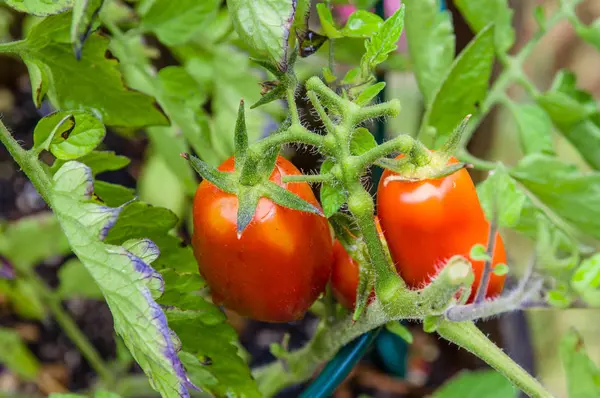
284,259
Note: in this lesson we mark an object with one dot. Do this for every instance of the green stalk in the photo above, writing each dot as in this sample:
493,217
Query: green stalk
38,177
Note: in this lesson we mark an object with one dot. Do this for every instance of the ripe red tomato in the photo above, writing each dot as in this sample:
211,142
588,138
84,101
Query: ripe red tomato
427,222
281,263
345,274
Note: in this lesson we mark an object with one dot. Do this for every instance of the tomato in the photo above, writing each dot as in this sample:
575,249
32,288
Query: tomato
281,263
427,222
345,274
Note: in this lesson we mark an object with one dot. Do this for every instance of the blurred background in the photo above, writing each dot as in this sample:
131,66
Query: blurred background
418,369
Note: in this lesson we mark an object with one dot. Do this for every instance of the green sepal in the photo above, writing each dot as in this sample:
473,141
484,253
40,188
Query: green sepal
247,201
400,166
431,323
224,181
273,95
267,164
267,65
240,138
400,330
451,145
285,198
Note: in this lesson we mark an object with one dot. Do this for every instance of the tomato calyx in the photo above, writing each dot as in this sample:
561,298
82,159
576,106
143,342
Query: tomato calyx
272,90
250,179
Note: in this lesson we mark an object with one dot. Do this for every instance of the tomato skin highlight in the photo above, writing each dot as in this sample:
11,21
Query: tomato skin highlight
427,222
281,263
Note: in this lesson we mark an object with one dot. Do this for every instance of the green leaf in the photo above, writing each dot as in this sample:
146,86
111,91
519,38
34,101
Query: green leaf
156,178
75,139
333,195
583,375
102,161
430,43
40,8
463,88
66,395
138,219
400,330
570,194
24,298
586,280
76,281
369,93
499,193
535,128
176,22
26,242
500,269
54,71
123,274
576,115
265,25
113,194
478,15
382,42
479,253
591,33
327,22
480,384
361,24
362,141
15,355
85,13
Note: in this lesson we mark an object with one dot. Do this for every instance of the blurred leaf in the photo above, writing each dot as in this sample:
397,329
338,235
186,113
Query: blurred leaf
332,195
480,384
158,186
113,195
362,24
583,375
382,42
76,281
362,140
85,14
32,239
479,14
66,395
176,22
586,280
463,88
55,71
79,139
369,93
500,269
576,115
499,193
535,128
400,330
24,298
327,22
15,355
7,271
123,273
265,25
40,8
430,41
591,33
572,195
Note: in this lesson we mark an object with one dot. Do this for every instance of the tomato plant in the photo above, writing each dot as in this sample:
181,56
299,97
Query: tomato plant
169,83
281,263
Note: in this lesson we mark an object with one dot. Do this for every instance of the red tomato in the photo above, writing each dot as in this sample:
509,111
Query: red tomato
345,274
427,222
281,263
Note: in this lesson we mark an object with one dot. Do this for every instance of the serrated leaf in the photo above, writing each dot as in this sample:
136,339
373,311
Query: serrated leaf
362,24
113,194
463,87
535,128
85,13
480,384
499,193
15,355
430,43
361,141
127,282
176,22
327,22
570,194
265,25
382,42
367,95
40,8
583,375
76,281
17,237
74,140
400,330
478,15
55,71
